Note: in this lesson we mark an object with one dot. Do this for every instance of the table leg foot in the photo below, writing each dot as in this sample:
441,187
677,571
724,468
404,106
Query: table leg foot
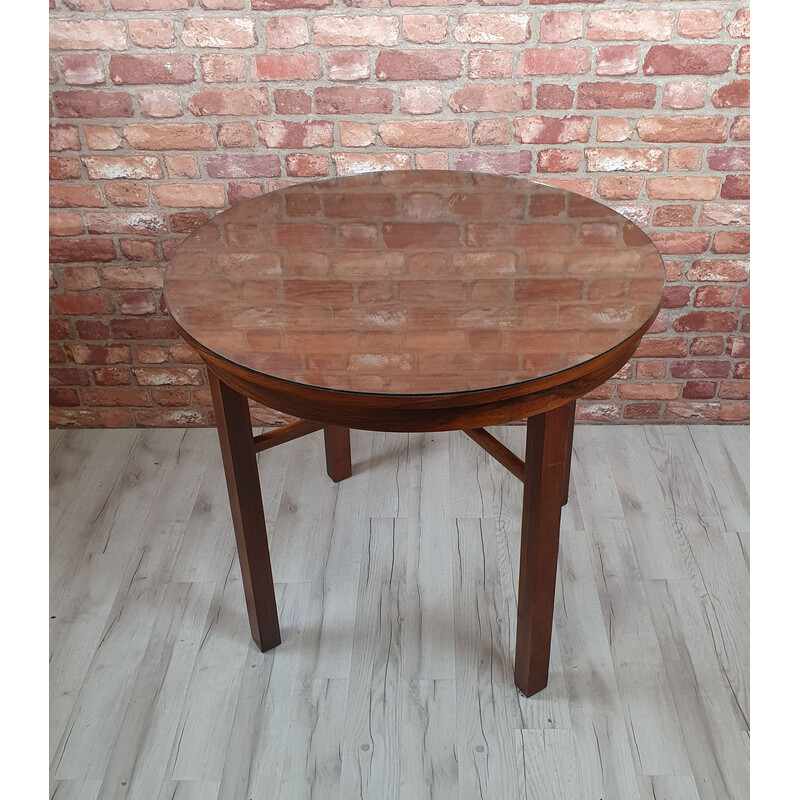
244,492
337,452
543,495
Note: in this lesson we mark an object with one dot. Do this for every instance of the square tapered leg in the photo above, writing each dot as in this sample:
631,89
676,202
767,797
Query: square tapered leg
244,491
546,452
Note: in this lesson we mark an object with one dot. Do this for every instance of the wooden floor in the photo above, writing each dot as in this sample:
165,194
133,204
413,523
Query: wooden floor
396,592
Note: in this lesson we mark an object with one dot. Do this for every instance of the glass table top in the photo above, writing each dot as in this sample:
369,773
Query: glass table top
414,282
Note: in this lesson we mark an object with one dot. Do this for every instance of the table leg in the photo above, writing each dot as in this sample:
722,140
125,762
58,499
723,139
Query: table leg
568,459
244,492
545,455
337,452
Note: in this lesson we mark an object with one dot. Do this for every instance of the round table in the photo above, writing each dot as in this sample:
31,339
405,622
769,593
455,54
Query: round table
414,301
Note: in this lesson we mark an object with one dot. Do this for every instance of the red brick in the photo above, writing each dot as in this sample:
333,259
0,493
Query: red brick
739,26
718,270
553,96
703,23
222,68
80,279
743,60
729,159
76,196
190,195
292,101
127,193
425,28
675,297
680,242
356,163
725,214
701,369
355,31
152,32
98,354
740,129
182,166
64,137
503,163
64,397
244,166
125,222
286,32
88,34
684,94
150,5
555,61
735,95
146,329
424,133
356,134
742,370
62,169
187,221
138,249
682,129
89,105
114,396
168,376
169,136
111,376
557,27
349,65
295,135
218,32
714,296
412,65
674,216
619,187
122,167
707,321
68,251
630,26
734,390
485,97
82,69
682,188
82,5
83,304
616,95
655,347
707,346
649,391
642,411
68,376
132,277
552,130
688,59
491,131
173,68
597,412
650,369
618,60
420,99
235,134
102,137
160,103
492,28
287,67
352,100
306,165
280,5
731,242
615,159
232,102
558,160
613,129
136,303
699,390
490,63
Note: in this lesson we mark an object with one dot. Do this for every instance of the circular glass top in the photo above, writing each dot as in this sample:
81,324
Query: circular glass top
414,282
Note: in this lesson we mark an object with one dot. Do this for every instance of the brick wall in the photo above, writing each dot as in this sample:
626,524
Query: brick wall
166,111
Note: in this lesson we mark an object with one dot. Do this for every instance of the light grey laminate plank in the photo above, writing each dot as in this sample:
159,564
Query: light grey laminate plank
710,726
549,761
668,787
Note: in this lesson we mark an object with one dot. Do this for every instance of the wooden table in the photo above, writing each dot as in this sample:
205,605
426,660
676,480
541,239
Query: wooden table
414,301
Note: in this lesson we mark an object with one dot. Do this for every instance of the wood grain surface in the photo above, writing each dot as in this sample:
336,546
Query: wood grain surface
396,594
